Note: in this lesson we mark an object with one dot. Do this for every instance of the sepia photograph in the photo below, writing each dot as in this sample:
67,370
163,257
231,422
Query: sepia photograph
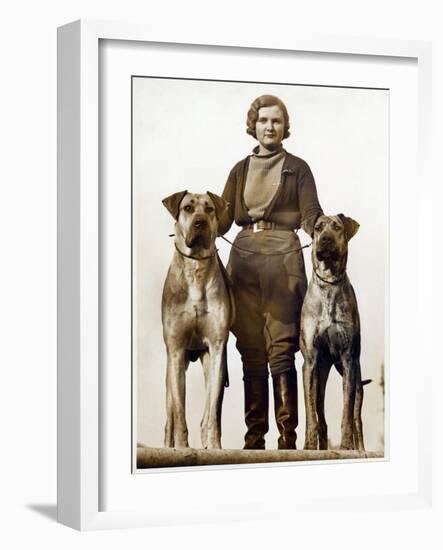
259,268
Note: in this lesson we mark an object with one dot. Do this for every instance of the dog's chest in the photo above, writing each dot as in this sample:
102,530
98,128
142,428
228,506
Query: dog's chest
335,320
205,294
196,282
330,306
195,303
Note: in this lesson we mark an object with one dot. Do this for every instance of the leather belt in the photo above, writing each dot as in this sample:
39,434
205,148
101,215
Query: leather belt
262,225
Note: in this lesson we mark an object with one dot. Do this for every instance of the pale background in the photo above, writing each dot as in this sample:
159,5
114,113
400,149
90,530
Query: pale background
187,135
28,229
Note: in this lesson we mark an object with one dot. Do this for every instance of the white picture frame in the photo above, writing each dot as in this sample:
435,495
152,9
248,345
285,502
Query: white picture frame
79,369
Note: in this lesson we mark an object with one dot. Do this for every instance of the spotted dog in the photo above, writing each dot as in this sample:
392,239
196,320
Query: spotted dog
330,334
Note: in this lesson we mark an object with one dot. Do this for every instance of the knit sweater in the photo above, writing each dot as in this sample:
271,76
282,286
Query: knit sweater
262,180
295,203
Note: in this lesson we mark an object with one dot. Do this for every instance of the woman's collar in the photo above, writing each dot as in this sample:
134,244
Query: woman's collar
269,154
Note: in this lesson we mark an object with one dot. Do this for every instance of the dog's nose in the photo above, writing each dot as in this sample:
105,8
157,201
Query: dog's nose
199,222
326,240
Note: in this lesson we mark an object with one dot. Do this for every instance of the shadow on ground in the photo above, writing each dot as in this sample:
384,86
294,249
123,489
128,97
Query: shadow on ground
46,510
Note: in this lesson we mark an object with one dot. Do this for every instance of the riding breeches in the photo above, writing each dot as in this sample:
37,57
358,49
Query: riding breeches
269,284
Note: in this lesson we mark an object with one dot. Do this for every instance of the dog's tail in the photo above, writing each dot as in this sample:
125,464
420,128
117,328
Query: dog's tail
339,368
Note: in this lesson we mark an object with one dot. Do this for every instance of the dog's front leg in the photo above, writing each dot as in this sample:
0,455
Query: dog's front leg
310,390
175,377
216,390
206,364
169,427
358,426
347,423
322,378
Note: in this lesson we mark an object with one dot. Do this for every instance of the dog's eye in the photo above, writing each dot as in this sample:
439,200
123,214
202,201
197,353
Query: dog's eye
336,227
188,208
319,227
209,209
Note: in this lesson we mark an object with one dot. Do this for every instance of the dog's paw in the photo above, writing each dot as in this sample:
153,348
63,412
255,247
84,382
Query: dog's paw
204,439
311,442
181,443
181,447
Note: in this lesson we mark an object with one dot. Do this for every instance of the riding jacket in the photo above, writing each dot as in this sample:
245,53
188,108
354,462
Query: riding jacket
294,205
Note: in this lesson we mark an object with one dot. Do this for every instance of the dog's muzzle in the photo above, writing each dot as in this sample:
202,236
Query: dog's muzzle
199,235
327,249
200,222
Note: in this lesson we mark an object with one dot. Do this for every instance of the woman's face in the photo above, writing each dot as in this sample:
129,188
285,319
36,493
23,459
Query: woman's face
270,127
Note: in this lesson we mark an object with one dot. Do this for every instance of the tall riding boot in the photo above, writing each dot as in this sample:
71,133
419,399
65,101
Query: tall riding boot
286,409
256,411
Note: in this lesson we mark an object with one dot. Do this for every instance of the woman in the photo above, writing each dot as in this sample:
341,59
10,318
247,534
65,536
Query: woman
271,193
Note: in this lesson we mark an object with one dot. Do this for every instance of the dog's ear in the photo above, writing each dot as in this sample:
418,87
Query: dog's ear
351,226
220,204
172,203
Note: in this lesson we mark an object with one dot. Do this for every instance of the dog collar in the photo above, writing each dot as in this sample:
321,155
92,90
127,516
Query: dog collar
193,257
339,280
